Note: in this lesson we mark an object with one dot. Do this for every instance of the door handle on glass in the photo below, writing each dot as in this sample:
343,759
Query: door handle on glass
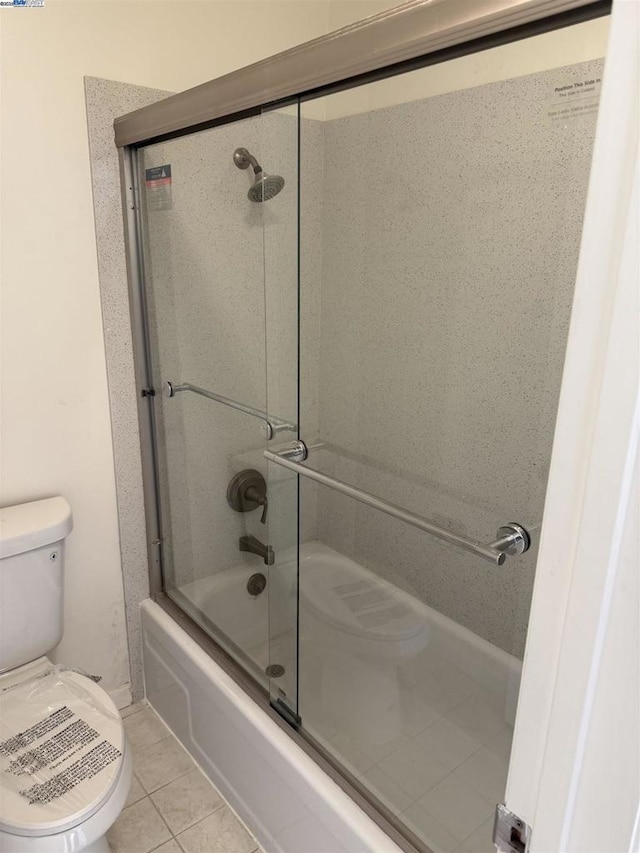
512,539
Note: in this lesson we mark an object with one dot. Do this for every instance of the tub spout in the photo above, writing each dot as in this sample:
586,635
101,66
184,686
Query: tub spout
254,546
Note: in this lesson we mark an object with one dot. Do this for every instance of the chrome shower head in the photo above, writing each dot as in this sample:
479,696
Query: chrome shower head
265,186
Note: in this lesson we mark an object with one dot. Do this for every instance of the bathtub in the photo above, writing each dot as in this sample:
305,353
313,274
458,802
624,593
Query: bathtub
287,801
290,804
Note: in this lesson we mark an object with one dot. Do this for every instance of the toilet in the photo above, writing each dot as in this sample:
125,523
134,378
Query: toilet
65,767
363,628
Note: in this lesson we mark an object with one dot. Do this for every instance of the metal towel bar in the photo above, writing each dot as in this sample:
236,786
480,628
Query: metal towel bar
274,425
512,538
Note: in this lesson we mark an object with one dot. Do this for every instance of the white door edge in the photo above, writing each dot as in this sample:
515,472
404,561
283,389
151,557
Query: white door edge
590,478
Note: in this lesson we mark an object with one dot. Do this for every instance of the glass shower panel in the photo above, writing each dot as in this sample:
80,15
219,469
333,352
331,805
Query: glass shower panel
203,246
440,223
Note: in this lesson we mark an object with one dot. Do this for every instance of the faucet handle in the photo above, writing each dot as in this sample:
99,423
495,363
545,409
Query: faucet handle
265,506
247,491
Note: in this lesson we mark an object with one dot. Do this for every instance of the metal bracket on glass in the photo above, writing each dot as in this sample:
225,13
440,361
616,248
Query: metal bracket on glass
512,538
296,452
510,833
274,425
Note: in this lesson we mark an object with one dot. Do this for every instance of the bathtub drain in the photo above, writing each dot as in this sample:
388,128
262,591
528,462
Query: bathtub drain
256,584
274,670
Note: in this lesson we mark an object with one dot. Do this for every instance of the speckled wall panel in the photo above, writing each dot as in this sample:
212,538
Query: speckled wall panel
105,100
451,231
222,304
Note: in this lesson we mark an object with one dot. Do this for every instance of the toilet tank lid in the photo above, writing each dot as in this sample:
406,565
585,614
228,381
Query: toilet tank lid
24,527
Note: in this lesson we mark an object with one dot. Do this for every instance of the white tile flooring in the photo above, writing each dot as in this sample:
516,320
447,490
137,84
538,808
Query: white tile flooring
172,806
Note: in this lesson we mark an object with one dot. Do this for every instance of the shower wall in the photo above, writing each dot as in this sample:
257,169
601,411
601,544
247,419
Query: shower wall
210,258
451,230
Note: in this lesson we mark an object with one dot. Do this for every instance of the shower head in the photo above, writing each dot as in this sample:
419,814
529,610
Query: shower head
265,186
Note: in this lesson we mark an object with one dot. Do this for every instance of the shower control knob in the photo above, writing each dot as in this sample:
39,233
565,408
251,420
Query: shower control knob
247,491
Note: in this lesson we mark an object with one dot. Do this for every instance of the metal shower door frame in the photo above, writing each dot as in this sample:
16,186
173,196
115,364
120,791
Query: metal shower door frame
132,214
423,32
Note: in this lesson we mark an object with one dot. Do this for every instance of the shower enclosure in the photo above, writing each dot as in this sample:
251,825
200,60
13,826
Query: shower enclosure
352,299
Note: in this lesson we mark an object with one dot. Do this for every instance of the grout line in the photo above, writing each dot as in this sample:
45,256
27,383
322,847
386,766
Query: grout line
164,784
148,795
221,806
196,822
194,766
187,828
173,838
161,818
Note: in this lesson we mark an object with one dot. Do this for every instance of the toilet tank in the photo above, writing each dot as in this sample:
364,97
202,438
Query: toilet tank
31,579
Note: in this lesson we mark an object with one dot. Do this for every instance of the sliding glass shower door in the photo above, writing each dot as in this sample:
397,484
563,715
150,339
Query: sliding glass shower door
211,226
356,307
440,218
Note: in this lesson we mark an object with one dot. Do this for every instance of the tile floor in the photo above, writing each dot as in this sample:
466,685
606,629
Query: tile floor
172,806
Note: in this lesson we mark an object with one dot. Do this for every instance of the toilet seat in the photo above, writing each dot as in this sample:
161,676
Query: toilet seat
62,749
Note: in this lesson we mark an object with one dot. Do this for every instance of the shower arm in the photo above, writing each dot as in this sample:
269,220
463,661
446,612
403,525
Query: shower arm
274,425
243,159
512,539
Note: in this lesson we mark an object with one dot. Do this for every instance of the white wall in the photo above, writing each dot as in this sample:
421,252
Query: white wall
54,421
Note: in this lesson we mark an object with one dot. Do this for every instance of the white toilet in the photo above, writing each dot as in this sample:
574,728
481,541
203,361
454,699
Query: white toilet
65,768
364,629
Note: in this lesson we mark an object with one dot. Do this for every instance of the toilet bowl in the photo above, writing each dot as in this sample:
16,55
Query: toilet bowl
65,766
364,628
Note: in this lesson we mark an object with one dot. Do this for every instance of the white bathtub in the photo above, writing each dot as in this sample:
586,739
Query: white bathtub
289,803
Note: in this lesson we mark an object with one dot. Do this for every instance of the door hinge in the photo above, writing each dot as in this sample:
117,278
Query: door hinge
148,392
510,833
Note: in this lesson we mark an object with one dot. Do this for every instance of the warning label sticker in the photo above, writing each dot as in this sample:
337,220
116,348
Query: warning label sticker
158,187
40,760
571,100
69,740
61,748
22,739
84,768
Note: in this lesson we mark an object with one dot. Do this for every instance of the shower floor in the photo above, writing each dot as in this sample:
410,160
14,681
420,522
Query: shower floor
446,768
